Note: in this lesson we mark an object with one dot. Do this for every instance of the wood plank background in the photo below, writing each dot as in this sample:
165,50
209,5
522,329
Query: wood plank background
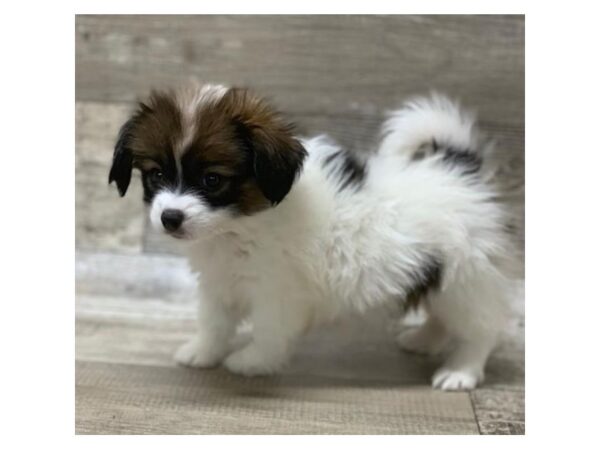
324,65
331,74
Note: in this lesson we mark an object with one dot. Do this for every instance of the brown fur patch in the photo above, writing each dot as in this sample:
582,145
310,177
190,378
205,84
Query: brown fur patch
239,129
158,127
237,136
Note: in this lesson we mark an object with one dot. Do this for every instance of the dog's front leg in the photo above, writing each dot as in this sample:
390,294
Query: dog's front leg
275,327
216,327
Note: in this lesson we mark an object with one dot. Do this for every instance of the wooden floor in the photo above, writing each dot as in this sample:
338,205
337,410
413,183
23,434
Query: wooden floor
348,378
134,296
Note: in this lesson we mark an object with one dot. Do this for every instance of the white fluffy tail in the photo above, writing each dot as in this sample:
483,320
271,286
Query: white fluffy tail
426,123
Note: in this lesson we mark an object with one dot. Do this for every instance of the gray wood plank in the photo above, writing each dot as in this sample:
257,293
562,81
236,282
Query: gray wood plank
103,221
134,276
129,399
147,331
499,404
122,330
506,366
310,64
131,339
500,411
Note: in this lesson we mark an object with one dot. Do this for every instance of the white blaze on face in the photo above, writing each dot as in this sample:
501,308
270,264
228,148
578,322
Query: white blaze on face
190,100
198,218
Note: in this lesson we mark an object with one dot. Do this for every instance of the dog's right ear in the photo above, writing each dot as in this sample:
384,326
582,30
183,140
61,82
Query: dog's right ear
122,163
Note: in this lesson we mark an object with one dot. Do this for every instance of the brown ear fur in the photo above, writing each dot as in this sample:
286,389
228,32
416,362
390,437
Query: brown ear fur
151,129
277,154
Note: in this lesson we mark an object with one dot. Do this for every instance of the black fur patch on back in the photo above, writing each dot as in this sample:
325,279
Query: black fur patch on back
347,168
464,159
425,280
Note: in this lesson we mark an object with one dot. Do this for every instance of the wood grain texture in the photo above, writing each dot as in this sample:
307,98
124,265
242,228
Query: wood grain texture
134,276
121,330
129,399
310,64
499,404
103,221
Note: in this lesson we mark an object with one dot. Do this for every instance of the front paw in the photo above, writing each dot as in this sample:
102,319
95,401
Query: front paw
199,353
448,379
253,360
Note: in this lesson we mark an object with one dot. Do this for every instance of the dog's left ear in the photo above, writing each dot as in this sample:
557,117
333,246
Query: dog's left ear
278,159
122,164
277,156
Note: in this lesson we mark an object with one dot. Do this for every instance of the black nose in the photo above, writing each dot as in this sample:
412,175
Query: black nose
171,219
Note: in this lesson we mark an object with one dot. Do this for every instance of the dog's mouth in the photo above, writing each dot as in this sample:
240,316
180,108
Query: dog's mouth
178,234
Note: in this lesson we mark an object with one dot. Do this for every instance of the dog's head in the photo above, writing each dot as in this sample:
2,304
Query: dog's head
207,154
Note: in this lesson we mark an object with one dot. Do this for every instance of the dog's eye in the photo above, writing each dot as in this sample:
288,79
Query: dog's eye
211,180
156,176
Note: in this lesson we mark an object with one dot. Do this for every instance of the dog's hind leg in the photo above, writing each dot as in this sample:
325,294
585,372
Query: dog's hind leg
430,338
464,368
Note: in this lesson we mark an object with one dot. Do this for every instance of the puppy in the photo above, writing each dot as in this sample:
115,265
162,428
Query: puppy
288,232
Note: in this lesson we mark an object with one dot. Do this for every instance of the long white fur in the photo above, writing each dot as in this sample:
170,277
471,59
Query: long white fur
425,118
322,252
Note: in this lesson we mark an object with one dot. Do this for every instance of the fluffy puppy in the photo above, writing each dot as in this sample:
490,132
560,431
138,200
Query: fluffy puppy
288,232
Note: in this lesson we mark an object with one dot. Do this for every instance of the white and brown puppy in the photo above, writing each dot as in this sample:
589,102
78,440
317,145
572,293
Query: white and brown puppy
288,232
